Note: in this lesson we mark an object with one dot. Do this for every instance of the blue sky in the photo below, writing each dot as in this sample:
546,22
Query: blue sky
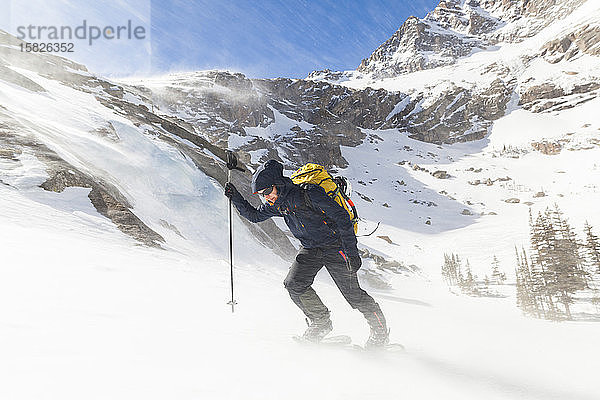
274,38
262,39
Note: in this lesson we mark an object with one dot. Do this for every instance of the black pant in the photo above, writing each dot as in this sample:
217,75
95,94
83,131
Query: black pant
302,275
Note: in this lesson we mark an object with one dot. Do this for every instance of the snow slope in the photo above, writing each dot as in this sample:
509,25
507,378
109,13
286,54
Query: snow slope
413,197
89,314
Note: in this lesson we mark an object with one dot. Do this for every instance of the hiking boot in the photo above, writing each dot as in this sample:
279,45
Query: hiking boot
318,329
378,338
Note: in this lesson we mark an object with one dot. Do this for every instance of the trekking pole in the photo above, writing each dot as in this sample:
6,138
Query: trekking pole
232,302
231,164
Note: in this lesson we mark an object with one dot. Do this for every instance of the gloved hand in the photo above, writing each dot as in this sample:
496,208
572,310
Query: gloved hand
355,263
230,190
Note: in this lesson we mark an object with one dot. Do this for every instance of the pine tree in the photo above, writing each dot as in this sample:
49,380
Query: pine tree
543,277
535,290
522,292
567,263
592,248
468,283
458,270
557,268
497,277
451,270
535,272
527,293
446,269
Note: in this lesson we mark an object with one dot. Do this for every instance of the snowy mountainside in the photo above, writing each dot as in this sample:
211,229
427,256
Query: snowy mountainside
456,29
410,185
541,147
510,102
546,66
146,173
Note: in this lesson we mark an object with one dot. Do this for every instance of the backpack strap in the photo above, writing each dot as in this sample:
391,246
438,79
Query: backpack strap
307,201
351,204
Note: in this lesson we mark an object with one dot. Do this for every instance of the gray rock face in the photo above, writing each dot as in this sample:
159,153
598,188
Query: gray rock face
581,41
453,31
320,114
528,17
456,114
549,97
222,107
214,103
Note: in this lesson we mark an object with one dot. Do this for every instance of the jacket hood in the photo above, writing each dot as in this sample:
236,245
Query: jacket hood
271,174
268,174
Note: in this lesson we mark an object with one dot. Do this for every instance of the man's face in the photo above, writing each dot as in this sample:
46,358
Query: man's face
270,194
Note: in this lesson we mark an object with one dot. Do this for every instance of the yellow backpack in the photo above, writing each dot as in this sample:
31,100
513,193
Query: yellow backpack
337,188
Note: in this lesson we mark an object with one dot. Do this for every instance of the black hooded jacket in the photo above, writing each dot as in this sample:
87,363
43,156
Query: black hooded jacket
320,224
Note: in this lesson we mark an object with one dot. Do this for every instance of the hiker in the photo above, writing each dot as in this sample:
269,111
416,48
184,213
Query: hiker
327,236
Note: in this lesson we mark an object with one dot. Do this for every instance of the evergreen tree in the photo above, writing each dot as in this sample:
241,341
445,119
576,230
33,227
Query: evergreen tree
567,264
536,273
522,291
449,269
497,277
446,269
534,286
591,248
556,270
468,282
543,277
527,295
458,270
456,275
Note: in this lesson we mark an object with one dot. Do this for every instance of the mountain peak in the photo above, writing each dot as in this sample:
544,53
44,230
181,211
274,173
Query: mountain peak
456,28
436,40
